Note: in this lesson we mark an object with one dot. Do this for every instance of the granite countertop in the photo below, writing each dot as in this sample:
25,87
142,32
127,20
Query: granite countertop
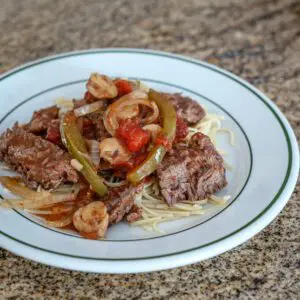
257,40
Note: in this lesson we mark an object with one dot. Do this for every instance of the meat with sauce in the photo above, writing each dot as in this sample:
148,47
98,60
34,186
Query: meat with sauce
134,214
41,119
191,172
120,203
38,161
187,109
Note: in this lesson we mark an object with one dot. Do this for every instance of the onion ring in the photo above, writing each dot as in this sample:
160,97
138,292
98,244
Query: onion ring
110,118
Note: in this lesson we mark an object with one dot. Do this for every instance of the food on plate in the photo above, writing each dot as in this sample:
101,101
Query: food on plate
123,152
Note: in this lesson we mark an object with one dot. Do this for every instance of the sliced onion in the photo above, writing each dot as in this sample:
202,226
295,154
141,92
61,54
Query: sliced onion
95,153
110,118
64,103
53,210
39,212
15,187
37,203
62,132
67,188
154,116
88,108
62,222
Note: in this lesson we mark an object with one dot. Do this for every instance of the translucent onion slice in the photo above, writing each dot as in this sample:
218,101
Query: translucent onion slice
111,115
152,118
51,211
15,187
62,222
88,108
94,152
67,188
64,103
37,203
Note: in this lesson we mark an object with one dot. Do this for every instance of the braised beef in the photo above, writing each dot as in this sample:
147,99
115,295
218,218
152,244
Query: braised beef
191,172
41,119
120,201
186,108
37,160
53,132
134,214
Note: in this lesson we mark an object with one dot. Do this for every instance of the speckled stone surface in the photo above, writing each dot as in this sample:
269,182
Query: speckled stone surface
257,40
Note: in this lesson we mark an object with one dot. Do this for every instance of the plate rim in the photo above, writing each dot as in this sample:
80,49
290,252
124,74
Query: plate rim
248,230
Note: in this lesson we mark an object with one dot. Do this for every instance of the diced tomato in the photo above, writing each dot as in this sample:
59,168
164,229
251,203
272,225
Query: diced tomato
181,129
133,135
53,133
123,86
162,140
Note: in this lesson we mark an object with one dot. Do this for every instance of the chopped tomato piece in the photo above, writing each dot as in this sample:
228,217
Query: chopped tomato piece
123,86
161,139
133,135
181,129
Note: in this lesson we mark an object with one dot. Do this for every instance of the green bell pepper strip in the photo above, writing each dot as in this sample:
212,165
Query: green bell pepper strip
76,146
156,155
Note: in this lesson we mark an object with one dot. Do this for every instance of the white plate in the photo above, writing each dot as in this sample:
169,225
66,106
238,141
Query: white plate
265,160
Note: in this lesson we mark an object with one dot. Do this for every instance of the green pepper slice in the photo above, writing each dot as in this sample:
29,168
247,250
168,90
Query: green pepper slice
156,155
77,149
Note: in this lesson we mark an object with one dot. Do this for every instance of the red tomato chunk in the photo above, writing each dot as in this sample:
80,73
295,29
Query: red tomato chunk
123,86
132,135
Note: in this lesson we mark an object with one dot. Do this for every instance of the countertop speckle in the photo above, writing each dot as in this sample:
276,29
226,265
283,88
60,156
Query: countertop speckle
258,40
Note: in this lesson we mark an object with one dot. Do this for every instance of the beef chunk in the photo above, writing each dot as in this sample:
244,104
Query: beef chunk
37,160
191,172
92,127
41,119
134,214
120,202
186,108
53,132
